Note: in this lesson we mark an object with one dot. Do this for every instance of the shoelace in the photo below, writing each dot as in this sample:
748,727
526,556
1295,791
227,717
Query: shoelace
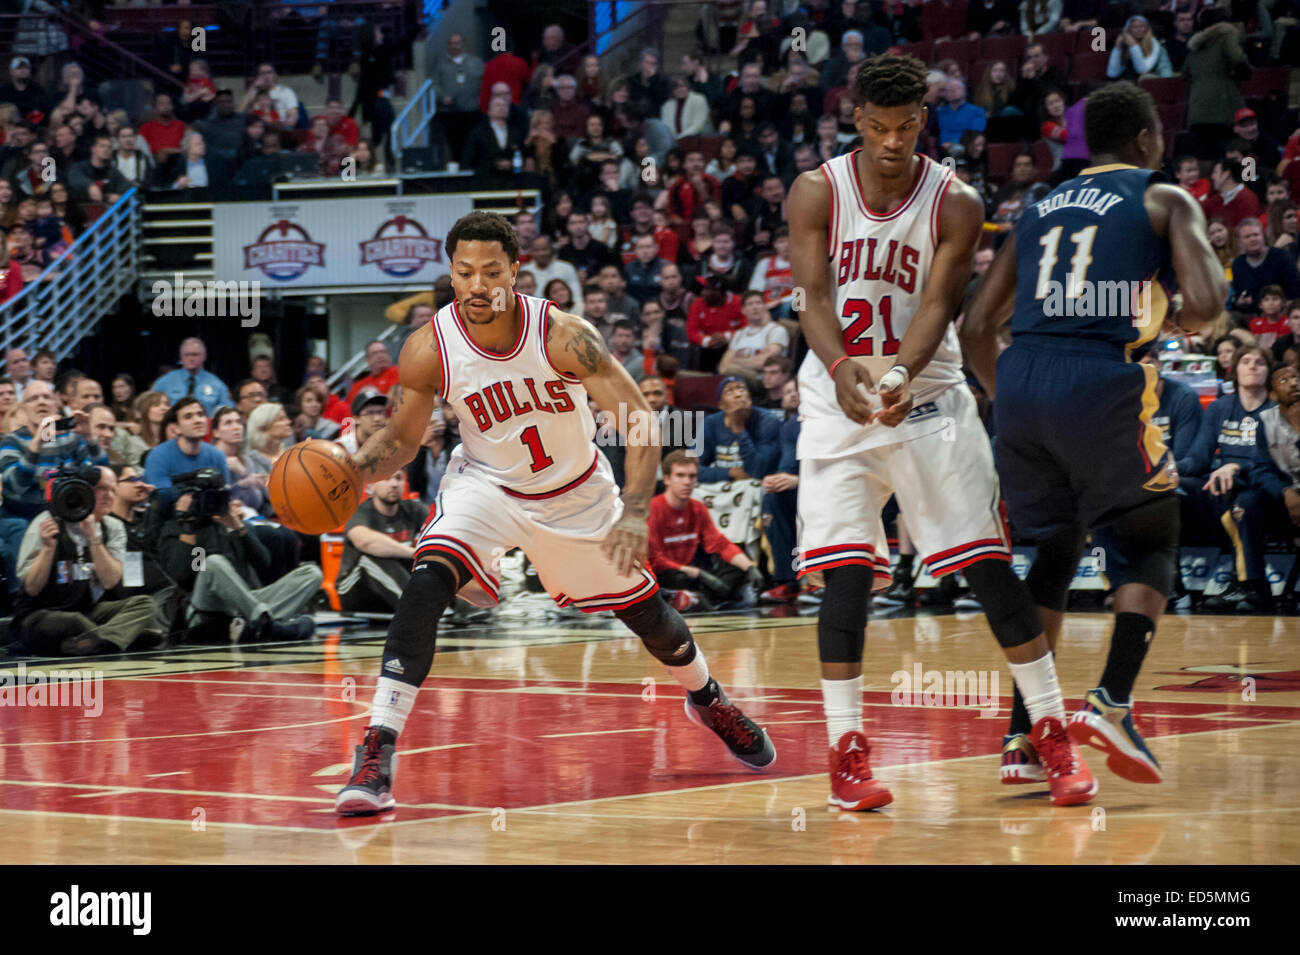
732,724
1056,753
854,765
370,773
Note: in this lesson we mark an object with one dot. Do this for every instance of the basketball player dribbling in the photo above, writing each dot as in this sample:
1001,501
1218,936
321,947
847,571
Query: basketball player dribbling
882,243
517,372
1075,447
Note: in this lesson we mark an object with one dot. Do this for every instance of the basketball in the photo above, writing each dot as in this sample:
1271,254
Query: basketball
315,487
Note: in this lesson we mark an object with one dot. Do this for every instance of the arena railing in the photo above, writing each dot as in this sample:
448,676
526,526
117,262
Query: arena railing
411,127
80,287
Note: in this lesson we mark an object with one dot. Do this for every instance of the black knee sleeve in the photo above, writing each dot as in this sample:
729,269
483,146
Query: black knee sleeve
1054,565
413,633
661,629
1141,546
1006,601
842,622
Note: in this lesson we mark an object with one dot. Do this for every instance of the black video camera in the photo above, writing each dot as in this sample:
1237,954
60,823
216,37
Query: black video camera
70,492
209,495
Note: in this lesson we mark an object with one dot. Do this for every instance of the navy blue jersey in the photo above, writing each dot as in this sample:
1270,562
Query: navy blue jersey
1089,266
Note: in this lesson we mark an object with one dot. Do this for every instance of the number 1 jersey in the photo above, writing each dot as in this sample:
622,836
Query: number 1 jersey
878,265
522,422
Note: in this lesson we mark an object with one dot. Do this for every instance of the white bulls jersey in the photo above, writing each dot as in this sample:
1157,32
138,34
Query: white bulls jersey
878,267
523,424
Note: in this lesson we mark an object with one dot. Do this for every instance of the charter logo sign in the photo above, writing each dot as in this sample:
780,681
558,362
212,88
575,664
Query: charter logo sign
332,243
284,252
401,247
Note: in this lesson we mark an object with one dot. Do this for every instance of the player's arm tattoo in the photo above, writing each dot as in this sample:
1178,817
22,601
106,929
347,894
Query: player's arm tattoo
588,347
375,455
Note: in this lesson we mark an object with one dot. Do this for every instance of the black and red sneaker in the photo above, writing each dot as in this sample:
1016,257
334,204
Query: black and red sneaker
370,790
782,593
746,740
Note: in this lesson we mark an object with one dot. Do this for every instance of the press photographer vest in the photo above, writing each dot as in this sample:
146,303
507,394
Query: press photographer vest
69,585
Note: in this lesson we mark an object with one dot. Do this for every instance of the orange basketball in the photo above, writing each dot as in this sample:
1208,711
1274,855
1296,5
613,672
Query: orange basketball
315,487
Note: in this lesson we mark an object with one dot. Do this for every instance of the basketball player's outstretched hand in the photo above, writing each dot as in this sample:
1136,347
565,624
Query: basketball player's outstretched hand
625,545
852,386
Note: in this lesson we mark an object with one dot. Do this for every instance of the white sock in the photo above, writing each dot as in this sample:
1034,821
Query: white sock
392,704
842,701
694,675
1038,685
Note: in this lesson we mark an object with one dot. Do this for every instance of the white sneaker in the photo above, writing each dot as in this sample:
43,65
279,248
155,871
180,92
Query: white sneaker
237,627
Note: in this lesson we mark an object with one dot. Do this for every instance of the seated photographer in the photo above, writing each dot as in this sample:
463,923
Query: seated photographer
188,452
26,455
140,573
688,553
71,560
225,579
378,548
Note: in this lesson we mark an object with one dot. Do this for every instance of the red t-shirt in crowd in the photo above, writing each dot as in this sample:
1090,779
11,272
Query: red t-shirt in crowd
702,320
383,381
504,68
336,409
683,198
1200,190
346,127
676,535
11,282
1263,325
666,237
161,136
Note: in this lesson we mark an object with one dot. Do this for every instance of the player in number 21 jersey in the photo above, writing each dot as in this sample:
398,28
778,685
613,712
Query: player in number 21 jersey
879,263
882,242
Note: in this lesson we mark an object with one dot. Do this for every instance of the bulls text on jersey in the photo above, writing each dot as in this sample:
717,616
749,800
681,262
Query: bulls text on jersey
861,259
498,402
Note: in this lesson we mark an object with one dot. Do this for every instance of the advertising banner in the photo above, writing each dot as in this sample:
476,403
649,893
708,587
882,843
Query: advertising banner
319,243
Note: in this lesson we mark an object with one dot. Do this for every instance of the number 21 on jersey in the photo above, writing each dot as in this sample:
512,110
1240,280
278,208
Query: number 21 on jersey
858,338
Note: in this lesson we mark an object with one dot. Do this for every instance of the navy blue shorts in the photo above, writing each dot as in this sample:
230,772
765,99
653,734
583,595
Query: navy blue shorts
1074,441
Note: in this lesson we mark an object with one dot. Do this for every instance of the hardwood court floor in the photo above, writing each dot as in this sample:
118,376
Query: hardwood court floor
565,742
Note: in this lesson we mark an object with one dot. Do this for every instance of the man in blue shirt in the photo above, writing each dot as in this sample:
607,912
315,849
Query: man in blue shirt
740,441
956,115
187,451
191,381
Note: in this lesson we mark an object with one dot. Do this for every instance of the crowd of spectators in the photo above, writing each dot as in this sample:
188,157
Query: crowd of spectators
67,153
663,222
663,195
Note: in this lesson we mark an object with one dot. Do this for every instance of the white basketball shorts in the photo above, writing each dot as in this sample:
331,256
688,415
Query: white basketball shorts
947,494
477,521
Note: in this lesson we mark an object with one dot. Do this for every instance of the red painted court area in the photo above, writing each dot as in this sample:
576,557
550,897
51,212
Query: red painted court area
270,748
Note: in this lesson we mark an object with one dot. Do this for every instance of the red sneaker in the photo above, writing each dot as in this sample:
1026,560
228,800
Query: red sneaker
782,593
852,785
684,601
1067,774
1020,762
